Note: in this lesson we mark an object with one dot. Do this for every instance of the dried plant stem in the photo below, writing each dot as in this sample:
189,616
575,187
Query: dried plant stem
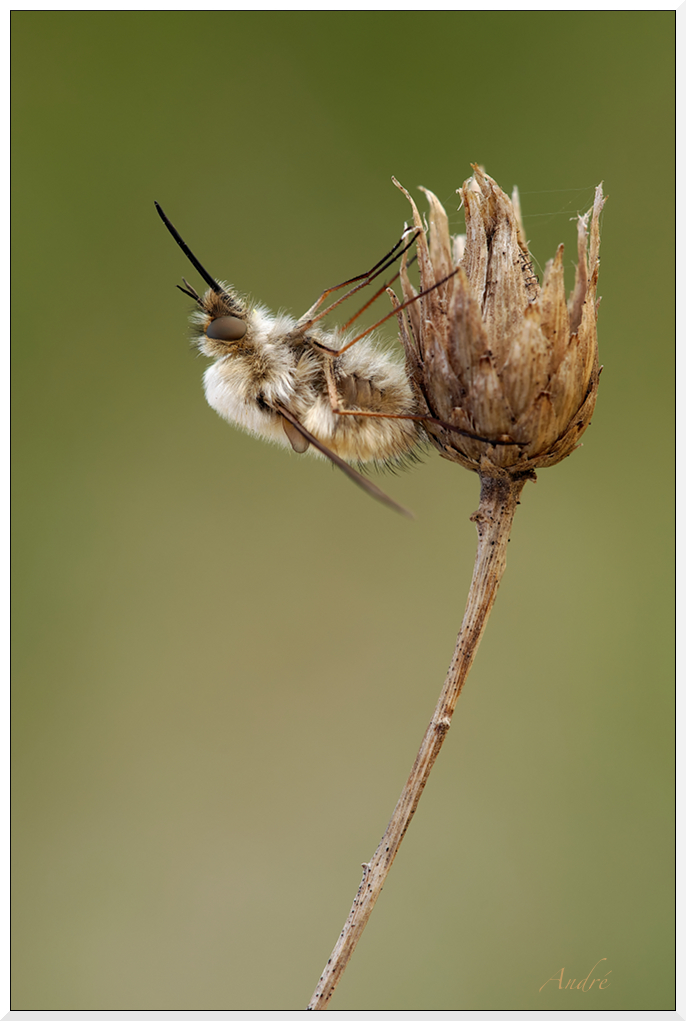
497,505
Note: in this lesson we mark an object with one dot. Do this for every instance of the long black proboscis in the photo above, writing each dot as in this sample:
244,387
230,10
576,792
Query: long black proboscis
187,252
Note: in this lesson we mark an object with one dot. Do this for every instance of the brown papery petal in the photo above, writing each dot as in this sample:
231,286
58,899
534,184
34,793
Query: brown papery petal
568,385
441,384
569,440
426,270
578,296
527,369
598,203
475,258
588,341
505,299
538,427
412,310
486,403
466,336
552,305
439,240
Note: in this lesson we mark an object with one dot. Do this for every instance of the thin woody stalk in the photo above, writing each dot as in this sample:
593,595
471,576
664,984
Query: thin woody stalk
506,371
497,505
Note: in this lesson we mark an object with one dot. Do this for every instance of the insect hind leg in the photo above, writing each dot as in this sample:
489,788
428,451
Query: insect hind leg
360,281
434,421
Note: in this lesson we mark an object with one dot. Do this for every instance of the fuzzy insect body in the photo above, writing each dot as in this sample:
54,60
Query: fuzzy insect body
276,364
329,392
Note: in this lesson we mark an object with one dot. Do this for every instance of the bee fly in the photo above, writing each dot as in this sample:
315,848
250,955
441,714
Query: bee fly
331,392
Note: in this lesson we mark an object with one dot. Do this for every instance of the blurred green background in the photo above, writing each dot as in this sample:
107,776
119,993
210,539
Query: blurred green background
226,655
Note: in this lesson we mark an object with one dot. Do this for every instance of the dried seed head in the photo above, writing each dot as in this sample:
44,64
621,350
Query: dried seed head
491,351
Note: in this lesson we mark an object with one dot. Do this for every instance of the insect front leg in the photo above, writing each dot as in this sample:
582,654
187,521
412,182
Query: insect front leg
361,280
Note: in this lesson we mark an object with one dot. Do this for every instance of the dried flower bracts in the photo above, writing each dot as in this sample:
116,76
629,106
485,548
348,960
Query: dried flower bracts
490,351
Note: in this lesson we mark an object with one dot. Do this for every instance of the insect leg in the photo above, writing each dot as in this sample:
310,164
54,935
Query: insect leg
434,421
395,311
377,294
309,318
331,385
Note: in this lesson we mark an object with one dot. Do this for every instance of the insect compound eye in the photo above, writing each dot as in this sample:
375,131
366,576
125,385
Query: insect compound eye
226,328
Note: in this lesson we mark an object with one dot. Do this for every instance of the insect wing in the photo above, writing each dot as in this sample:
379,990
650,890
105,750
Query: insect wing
353,475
